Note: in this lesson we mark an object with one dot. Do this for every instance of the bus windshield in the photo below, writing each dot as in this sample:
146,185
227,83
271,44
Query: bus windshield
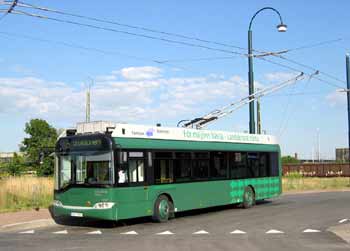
93,168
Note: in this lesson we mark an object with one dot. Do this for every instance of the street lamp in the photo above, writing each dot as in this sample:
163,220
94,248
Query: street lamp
281,28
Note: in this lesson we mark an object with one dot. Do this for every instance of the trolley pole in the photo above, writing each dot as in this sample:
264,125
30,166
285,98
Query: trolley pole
348,99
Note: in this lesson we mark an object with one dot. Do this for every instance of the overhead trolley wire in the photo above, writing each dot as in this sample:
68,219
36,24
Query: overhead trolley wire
93,49
18,12
308,46
298,70
142,28
276,54
12,5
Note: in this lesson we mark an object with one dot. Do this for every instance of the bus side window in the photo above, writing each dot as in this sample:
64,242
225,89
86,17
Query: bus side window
274,164
163,167
218,167
238,163
264,165
136,170
200,166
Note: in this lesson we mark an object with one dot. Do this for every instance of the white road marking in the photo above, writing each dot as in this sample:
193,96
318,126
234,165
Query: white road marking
237,231
274,231
27,232
95,232
61,232
201,232
165,233
25,222
343,220
130,233
311,231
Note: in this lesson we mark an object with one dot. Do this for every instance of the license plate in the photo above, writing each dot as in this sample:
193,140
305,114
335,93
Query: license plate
74,214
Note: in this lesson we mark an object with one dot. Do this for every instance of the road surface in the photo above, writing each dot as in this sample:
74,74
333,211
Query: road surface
291,222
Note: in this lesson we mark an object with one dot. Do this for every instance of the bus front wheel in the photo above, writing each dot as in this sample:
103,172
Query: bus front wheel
162,209
248,197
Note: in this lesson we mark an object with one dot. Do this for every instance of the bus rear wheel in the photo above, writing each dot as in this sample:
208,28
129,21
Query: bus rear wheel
162,209
248,197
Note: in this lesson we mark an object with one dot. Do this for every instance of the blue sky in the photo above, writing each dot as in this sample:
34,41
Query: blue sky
47,80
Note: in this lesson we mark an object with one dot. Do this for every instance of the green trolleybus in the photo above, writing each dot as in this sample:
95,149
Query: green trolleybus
120,171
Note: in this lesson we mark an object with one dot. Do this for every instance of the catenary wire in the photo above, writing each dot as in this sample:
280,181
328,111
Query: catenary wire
23,4
298,70
128,33
167,40
100,20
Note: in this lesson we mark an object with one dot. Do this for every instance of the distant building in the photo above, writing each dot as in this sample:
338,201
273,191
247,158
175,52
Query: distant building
342,154
6,157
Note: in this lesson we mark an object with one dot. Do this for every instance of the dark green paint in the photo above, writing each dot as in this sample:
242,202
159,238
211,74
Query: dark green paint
131,202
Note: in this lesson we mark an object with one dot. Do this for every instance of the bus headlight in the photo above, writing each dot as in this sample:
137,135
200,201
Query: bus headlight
103,205
57,203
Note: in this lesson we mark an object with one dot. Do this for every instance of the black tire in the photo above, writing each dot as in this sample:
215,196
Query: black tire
172,211
162,209
248,197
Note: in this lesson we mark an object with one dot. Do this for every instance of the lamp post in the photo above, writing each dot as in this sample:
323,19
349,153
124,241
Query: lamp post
281,28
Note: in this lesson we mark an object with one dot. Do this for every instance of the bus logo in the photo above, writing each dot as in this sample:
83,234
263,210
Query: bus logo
150,132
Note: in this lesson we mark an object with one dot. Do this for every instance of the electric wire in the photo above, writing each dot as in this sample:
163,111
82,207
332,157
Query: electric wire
17,12
175,41
12,5
311,68
298,70
142,28
312,45
277,54
97,50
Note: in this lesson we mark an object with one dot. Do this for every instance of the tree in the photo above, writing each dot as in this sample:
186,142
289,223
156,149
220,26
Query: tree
15,166
290,160
41,136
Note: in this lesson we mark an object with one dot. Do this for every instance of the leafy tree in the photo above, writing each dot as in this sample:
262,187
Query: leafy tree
15,166
289,160
41,136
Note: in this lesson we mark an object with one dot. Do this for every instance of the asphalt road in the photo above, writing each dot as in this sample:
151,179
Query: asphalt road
286,218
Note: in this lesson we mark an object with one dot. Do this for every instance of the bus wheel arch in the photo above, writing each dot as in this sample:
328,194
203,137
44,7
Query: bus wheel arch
163,208
248,197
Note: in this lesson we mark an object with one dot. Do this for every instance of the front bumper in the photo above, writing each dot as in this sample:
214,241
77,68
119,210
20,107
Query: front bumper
86,212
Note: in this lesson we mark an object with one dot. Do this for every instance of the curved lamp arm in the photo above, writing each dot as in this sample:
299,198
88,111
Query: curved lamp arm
281,25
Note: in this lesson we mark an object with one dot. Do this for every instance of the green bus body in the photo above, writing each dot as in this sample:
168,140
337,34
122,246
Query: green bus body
138,201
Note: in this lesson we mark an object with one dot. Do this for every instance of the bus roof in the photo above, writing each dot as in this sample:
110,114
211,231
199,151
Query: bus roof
174,133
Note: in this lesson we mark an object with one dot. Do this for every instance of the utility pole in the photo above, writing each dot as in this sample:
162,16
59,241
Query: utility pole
87,118
348,99
318,146
258,116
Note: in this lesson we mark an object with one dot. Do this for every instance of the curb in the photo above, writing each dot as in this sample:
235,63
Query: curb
27,225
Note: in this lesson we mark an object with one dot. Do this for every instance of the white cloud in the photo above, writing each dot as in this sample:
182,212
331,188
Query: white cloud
139,73
128,100
102,78
336,98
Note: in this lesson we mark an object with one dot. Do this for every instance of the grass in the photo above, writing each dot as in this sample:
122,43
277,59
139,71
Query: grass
295,182
25,192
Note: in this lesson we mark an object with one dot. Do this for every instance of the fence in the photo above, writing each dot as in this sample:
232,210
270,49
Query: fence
318,169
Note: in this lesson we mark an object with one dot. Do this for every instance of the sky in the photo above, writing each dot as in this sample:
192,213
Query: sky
45,67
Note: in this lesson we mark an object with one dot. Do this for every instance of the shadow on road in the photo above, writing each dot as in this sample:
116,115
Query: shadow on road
94,223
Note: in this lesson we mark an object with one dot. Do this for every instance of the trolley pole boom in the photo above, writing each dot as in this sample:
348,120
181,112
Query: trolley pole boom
226,110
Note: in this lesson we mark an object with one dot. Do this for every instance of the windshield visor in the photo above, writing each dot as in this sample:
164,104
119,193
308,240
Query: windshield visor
93,168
